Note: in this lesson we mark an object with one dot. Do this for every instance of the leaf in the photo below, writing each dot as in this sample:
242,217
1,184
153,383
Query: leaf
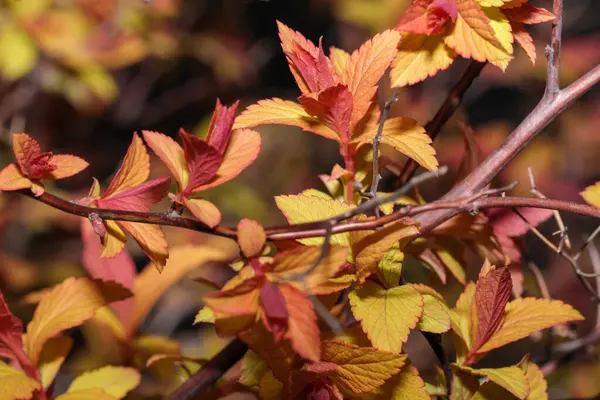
483,35
386,316
15,385
370,250
295,264
52,357
492,3
22,50
150,284
206,314
282,112
251,237
88,394
113,242
25,149
492,293
508,223
134,169
67,305
523,37
274,309
340,60
171,154
253,368
389,268
406,385
270,388
591,195
419,57
512,378
405,136
221,123
524,316
538,387
115,381
464,384
302,330
203,161
333,107
244,146
366,66
361,369
528,14
11,178
435,316
11,330
137,198
300,208
151,239
66,166
204,210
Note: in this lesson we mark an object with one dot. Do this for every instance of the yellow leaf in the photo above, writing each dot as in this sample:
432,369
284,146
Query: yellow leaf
512,378
464,385
389,268
100,82
15,384
387,316
88,394
493,3
461,322
282,112
150,284
490,391
483,35
270,388
253,368
251,237
524,316
435,316
361,369
407,385
537,383
452,264
591,195
116,381
171,154
151,239
204,210
243,148
206,314
52,357
407,137
339,58
67,305
419,57
301,208
134,170
20,50
114,240
369,250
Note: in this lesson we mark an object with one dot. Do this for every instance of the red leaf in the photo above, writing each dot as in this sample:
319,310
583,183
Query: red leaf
202,159
219,130
445,7
508,223
333,106
138,198
25,148
11,330
492,293
119,268
427,17
40,165
275,312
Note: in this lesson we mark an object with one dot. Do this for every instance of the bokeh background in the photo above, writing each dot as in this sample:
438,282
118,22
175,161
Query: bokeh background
81,76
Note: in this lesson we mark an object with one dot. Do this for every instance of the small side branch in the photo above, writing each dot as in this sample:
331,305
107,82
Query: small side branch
553,52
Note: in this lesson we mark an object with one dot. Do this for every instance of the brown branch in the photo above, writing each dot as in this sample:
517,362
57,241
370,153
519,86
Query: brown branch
446,110
210,372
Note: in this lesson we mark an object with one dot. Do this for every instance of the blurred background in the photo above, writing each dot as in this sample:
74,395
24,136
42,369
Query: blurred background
81,76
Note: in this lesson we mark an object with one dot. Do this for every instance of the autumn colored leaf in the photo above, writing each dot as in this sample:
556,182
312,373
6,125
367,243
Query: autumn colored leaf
528,14
302,330
301,208
15,385
151,239
427,17
508,223
67,305
361,369
171,154
204,210
52,357
512,378
11,330
251,237
389,268
525,40
333,107
538,387
202,160
524,316
591,195
282,112
150,284
461,318
419,57
405,136
134,169
220,127
206,314
406,385
340,60
387,316
493,3
492,292
435,316
253,368
11,178
115,381
483,35
87,394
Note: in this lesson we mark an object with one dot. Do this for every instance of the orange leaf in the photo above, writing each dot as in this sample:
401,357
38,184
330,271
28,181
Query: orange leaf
243,148
15,385
67,305
11,178
171,154
283,112
366,66
492,293
528,14
113,242
251,237
242,299
204,210
151,239
133,171
302,331
332,106
523,37
25,149
66,165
